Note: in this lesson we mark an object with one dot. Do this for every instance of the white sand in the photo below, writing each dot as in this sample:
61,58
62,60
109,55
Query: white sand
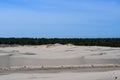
57,55
63,76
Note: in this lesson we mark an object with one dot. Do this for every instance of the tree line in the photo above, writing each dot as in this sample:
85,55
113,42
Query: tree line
111,42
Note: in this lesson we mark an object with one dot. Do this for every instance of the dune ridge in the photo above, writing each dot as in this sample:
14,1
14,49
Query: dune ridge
57,55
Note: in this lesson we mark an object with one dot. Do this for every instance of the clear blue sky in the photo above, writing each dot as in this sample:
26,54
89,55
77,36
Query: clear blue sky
60,18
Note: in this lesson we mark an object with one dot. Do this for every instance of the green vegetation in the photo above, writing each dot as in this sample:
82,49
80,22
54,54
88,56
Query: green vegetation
112,42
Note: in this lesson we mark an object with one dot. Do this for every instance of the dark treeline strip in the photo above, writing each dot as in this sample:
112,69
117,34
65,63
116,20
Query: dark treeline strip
111,42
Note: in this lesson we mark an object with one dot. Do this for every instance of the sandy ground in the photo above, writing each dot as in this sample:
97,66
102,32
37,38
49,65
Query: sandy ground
109,75
59,56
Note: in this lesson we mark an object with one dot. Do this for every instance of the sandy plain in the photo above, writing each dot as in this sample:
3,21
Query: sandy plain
59,62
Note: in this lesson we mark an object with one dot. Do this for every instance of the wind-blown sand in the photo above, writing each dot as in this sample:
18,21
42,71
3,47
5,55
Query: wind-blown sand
56,57
110,75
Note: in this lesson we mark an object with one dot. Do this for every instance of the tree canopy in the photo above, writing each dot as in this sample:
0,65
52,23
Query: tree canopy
111,42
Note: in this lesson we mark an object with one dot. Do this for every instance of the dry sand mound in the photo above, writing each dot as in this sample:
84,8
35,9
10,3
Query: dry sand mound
57,55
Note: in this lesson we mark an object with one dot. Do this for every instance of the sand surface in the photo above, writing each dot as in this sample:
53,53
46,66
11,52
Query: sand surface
57,56
109,75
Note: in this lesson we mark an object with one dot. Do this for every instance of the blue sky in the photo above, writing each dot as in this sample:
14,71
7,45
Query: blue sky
60,18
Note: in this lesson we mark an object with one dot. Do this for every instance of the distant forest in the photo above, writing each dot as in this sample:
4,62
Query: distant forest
111,42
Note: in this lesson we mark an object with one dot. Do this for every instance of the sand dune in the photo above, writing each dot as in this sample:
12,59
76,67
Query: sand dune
58,55
61,58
